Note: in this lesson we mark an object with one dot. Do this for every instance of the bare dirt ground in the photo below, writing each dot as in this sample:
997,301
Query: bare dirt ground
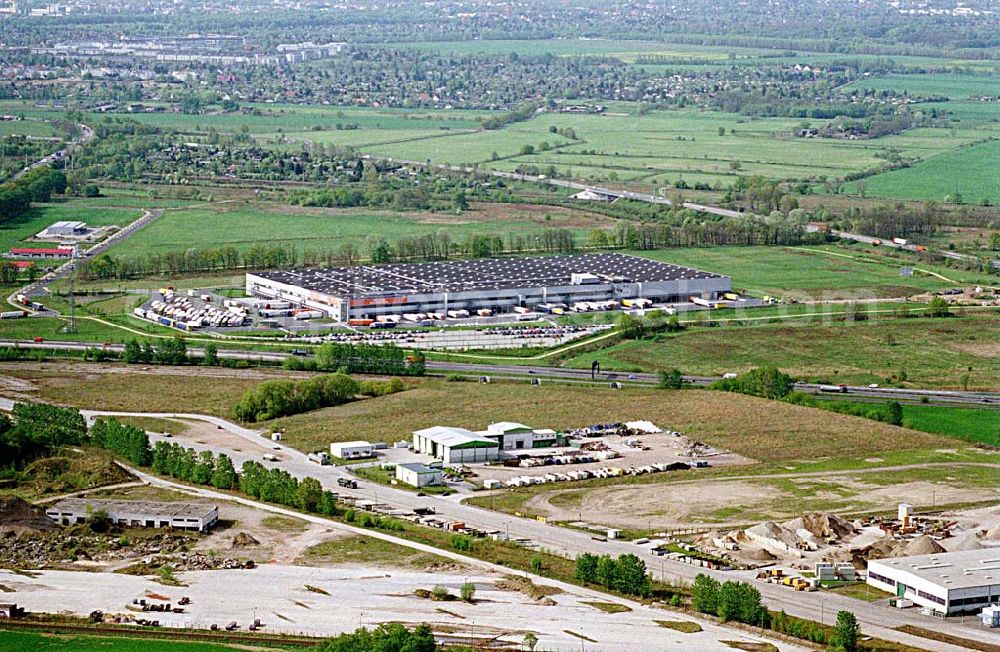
723,503
662,448
280,540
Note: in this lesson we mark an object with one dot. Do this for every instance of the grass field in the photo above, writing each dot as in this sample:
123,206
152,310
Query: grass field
968,172
117,388
12,234
931,352
950,85
802,273
968,424
14,640
244,225
756,428
664,146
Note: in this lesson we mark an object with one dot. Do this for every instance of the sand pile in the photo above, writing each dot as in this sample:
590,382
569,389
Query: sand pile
244,540
18,516
823,526
920,546
965,541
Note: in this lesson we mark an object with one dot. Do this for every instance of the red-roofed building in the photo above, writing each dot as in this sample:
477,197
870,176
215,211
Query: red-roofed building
51,252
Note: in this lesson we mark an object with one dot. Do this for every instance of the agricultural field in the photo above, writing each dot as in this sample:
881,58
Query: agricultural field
13,234
919,352
956,86
34,128
805,273
244,225
663,147
755,428
273,119
969,424
965,175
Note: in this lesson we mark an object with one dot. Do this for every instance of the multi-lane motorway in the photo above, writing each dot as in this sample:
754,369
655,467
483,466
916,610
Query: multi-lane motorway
954,398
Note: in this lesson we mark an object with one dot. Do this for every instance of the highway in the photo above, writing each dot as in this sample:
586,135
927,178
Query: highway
561,183
878,242
876,619
86,134
952,398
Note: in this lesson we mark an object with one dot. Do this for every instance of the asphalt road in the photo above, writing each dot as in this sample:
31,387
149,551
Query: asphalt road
86,134
876,619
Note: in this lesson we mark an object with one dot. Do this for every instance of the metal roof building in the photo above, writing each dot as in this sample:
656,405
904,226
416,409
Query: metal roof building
947,582
496,283
136,513
455,445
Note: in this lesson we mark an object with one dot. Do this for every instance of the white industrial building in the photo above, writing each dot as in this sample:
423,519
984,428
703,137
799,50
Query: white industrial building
136,513
455,445
494,284
417,475
947,582
65,229
517,436
352,450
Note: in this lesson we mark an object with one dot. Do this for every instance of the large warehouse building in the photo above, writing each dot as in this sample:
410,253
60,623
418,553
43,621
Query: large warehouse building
947,582
136,513
498,284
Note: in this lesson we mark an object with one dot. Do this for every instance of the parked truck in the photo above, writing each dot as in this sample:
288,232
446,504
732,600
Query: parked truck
320,458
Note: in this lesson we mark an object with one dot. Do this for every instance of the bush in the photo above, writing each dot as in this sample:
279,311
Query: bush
766,382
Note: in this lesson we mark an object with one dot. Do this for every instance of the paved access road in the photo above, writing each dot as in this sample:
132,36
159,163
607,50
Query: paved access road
877,619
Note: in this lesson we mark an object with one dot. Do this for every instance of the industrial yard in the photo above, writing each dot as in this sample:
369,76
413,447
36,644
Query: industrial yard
318,601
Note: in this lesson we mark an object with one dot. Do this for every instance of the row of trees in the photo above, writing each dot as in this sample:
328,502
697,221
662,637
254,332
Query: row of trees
386,359
172,352
741,602
279,486
37,185
35,429
280,398
737,601
188,465
891,412
627,574
123,440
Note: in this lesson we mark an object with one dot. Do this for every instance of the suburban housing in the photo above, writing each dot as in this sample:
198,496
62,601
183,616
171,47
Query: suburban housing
496,284
136,513
947,582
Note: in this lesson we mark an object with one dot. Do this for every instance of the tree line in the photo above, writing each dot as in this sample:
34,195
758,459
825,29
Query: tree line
626,574
205,468
383,359
280,398
741,602
35,429
37,185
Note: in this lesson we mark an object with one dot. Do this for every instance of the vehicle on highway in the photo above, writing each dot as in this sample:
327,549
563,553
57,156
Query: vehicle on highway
841,389
873,386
